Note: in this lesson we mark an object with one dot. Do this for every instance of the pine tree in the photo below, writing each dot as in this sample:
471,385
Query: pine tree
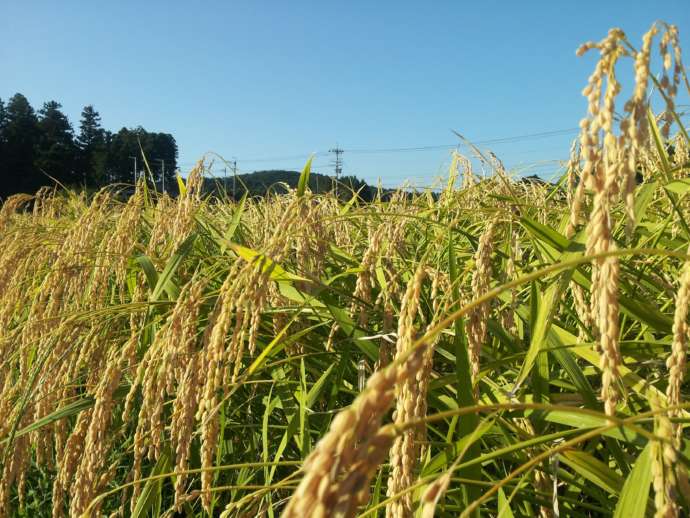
3,123
3,147
90,131
92,148
56,151
21,134
3,120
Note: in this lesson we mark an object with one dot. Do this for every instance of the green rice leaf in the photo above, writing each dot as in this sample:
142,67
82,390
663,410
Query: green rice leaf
635,494
304,178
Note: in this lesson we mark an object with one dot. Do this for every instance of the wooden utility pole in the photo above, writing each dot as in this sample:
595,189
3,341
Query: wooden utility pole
162,161
135,169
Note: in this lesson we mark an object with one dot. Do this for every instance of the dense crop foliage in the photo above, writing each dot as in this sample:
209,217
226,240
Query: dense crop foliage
506,348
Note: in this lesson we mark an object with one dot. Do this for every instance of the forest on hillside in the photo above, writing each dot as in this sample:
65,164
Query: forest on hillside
41,147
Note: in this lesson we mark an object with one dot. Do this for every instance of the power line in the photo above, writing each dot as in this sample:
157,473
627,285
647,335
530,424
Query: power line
493,141
278,159
518,138
502,140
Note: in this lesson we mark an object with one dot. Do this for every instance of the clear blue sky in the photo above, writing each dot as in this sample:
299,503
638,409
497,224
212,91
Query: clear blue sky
259,79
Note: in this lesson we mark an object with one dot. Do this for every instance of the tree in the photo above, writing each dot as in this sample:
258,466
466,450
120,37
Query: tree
56,152
120,149
35,148
353,185
93,152
3,123
21,135
90,131
128,143
162,146
3,120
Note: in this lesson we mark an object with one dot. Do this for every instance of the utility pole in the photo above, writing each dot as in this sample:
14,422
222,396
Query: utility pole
162,161
338,164
234,179
135,169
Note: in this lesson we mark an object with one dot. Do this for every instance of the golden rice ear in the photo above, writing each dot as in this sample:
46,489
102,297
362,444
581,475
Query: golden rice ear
432,494
478,318
677,361
664,462
341,465
404,451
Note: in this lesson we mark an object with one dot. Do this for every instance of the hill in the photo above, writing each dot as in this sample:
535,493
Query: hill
260,183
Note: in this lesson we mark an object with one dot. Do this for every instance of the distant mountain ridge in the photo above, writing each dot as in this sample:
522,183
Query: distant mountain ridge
273,181
261,183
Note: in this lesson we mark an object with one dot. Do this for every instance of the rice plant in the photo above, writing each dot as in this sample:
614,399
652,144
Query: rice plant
504,348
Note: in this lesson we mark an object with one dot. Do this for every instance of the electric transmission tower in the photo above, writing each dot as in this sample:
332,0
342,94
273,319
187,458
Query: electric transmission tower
338,165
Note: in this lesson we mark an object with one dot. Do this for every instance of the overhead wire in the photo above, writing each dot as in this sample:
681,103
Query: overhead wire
492,141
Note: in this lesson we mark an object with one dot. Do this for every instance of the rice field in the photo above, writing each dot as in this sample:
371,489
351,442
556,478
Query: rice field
504,348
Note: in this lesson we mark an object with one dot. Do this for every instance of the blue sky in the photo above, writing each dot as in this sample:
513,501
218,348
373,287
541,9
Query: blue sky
263,80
